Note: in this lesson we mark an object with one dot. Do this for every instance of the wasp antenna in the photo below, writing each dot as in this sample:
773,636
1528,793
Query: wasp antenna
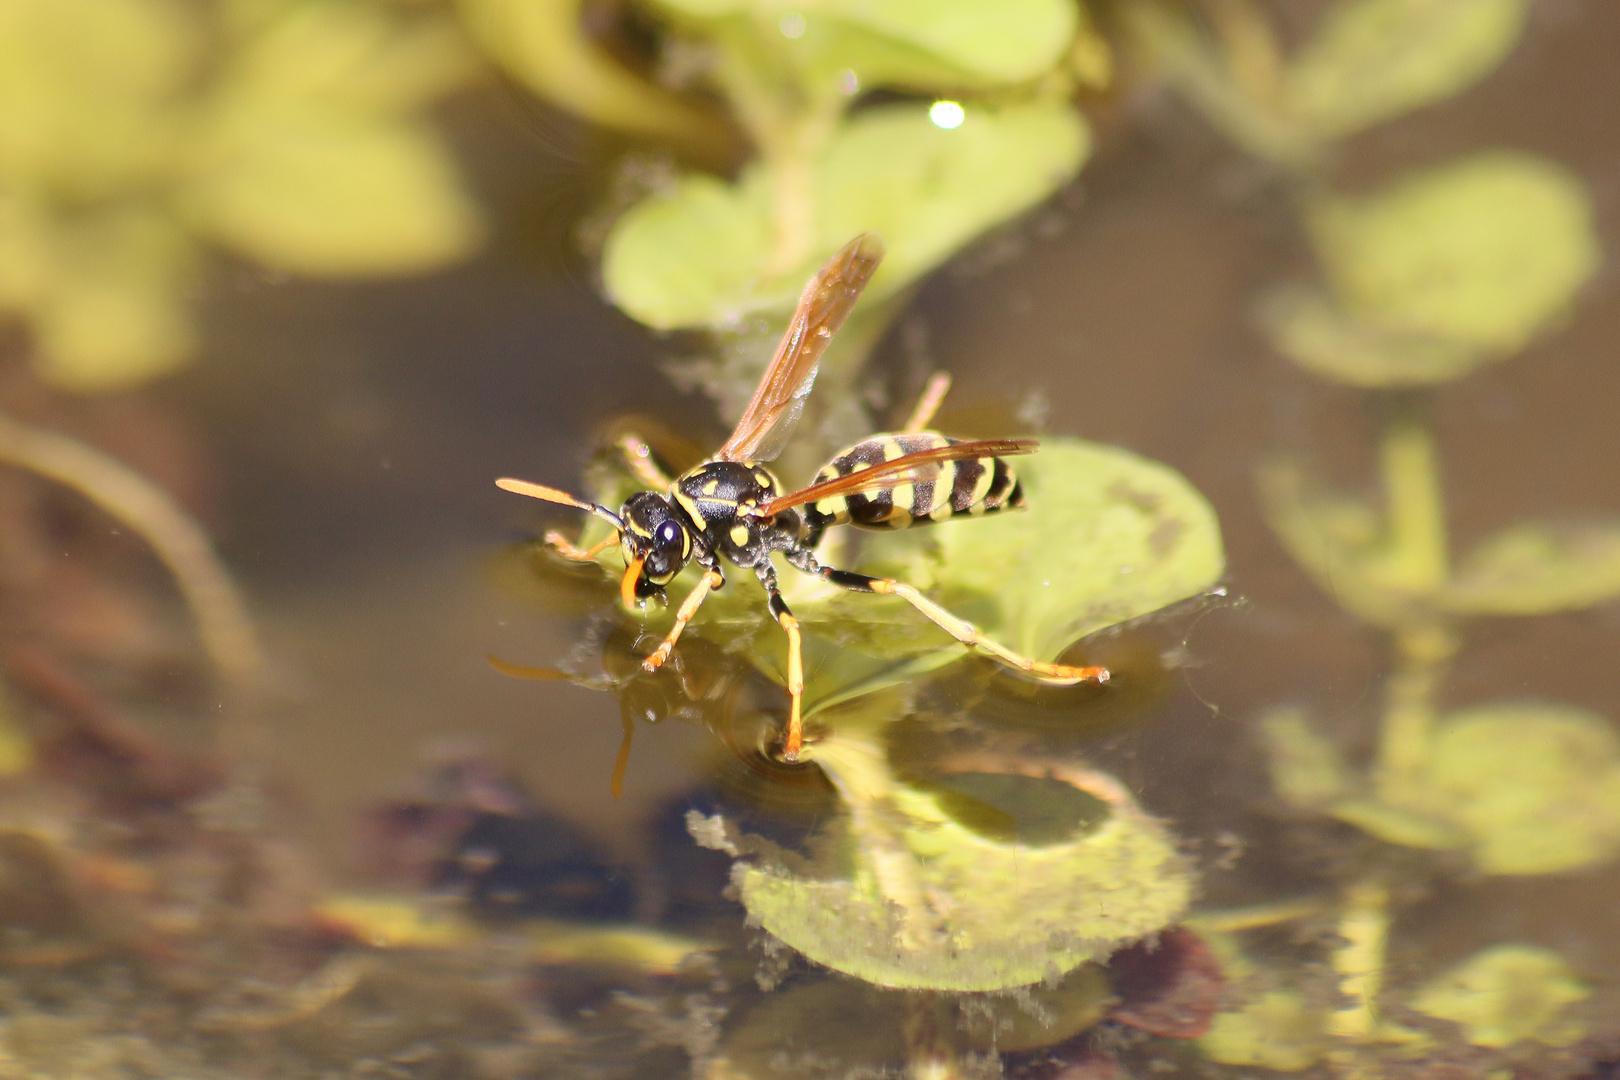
552,495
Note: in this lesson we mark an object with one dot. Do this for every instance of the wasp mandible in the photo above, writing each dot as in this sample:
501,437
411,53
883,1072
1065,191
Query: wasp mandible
733,509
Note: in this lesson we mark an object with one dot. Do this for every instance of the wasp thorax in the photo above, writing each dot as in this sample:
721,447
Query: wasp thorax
654,538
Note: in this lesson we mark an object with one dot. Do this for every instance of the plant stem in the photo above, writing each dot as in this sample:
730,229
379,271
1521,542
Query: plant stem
1364,928
1422,651
930,1052
1416,562
223,624
1416,553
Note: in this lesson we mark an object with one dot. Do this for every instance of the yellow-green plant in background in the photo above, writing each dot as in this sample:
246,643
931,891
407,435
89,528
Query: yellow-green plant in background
1423,281
979,127
988,133
135,134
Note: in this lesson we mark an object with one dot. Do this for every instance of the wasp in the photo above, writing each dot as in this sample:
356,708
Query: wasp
732,509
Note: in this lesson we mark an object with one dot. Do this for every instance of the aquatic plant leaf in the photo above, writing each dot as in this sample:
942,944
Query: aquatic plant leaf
361,58
1306,326
396,922
1335,538
1534,568
1372,60
921,44
810,1031
112,312
1508,994
85,92
313,191
697,256
1399,825
1306,769
1276,1029
1484,251
545,46
1535,785
1108,536
936,905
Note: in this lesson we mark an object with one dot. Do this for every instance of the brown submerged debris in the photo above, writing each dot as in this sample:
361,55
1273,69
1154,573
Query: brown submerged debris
1170,986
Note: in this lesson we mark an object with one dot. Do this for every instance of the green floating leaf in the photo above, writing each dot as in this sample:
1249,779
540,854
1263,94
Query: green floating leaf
313,192
1374,59
1535,568
1108,536
696,256
921,44
1508,994
1277,1029
1536,786
934,904
1482,252
1305,326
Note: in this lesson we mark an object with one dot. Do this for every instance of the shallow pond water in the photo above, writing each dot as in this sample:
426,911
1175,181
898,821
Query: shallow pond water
351,436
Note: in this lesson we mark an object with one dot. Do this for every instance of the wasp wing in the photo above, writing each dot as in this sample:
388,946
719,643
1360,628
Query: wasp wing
922,465
823,306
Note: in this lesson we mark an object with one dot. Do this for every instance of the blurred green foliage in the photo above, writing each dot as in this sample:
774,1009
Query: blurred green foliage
1508,994
135,133
1423,281
709,253
701,254
1375,60
1456,266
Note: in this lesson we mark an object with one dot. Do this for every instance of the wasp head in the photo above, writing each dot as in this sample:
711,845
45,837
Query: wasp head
656,545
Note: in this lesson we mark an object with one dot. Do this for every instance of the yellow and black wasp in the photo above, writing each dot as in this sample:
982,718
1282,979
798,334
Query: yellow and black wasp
733,509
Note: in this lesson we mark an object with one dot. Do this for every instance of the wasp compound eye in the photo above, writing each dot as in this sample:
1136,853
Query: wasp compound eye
667,534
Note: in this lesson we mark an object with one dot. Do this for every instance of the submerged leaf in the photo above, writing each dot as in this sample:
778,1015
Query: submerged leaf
698,255
933,904
1277,1029
1535,785
1108,536
1508,994
1534,568
1374,59
1483,251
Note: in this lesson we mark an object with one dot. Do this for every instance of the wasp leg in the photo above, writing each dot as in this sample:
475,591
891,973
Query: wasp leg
960,629
638,458
933,396
794,739
561,545
711,580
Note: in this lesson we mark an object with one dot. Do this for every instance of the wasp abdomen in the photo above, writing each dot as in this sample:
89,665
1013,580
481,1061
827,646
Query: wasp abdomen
971,486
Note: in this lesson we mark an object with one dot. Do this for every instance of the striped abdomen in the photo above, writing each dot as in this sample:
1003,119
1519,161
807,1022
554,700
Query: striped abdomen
970,486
